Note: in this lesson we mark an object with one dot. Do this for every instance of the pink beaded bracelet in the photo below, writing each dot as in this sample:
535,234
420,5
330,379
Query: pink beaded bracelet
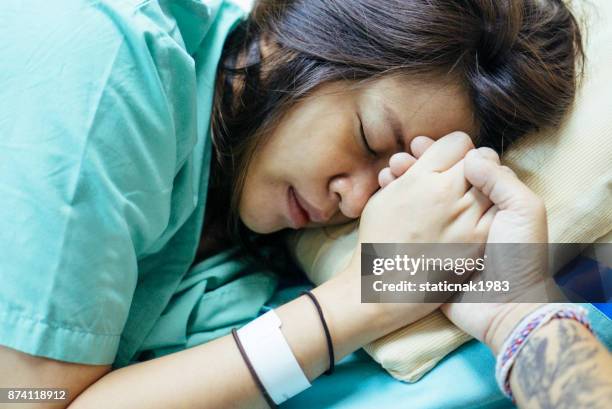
519,336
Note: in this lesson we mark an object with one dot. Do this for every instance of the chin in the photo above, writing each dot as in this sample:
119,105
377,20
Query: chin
258,225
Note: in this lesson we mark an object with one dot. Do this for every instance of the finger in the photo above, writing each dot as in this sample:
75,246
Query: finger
400,162
476,204
489,154
458,169
445,152
508,171
457,174
419,145
486,220
501,187
385,177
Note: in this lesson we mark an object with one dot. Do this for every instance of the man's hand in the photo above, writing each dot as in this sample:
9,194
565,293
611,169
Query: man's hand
519,216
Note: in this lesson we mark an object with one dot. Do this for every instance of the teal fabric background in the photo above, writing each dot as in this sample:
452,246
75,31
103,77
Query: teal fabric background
217,294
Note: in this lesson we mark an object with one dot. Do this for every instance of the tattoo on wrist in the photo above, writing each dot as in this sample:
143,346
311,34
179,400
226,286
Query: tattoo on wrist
560,372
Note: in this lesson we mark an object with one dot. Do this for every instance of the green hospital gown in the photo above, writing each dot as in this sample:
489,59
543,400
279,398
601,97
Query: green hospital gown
104,160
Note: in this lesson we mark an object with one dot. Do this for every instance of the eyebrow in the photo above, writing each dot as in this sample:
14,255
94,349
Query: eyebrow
396,127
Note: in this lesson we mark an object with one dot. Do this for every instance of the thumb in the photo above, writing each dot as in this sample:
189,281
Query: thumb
498,183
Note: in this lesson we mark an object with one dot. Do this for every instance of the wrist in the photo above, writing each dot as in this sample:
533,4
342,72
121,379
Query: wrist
504,322
529,326
351,323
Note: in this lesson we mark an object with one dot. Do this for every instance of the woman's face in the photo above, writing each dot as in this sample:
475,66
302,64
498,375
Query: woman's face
315,168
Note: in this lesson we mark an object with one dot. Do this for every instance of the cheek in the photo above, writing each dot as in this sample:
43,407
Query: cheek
257,210
260,196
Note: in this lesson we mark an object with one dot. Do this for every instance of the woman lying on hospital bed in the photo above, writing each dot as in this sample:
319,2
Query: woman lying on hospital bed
129,119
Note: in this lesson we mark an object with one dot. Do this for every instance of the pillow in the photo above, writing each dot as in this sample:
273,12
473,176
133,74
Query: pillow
569,167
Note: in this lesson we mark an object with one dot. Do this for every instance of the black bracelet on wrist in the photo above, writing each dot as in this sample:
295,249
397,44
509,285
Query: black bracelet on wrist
330,344
263,390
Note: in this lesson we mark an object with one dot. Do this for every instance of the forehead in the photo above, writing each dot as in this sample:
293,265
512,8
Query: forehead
423,105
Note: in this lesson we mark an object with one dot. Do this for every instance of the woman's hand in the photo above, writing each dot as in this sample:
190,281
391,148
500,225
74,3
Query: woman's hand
431,201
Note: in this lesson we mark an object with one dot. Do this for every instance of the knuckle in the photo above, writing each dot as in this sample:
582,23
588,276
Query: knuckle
508,170
463,138
488,153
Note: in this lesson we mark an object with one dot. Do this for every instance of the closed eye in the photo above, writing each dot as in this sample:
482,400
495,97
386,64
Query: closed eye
364,139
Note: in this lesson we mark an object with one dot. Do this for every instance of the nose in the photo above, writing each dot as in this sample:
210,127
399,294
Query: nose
354,190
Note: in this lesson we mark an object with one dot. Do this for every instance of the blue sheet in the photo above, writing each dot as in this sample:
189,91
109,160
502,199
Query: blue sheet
464,379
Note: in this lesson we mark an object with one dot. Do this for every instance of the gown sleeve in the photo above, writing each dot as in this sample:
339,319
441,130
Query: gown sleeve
87,160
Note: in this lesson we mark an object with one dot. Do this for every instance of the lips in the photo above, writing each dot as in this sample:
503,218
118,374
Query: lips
314,214
299,216
301,211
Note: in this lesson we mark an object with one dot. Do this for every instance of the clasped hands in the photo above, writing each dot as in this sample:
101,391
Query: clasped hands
448,191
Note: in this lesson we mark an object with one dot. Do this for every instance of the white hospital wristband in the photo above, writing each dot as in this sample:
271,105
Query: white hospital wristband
272,358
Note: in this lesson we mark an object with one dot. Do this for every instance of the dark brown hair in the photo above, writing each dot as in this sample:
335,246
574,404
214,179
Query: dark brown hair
518,59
